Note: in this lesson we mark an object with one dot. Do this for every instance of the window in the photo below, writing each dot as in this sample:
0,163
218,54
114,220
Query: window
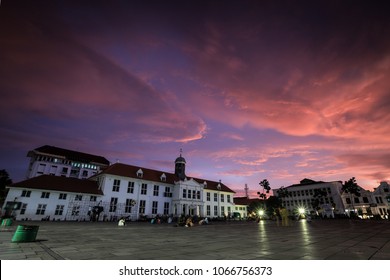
208,196
130,187
365,199
113,204
208,211
184,193
59,210
198,195
144,189
356,200
41,209
78,197
215,210
129,205
223,210
168,192
85,173
115,186
26,193
93,198
229,210
348,200
62,196
53,170
166,208
45,195
215,197
142,204
76,210
64,171
156,189
154,207
23,209
74,173
222,197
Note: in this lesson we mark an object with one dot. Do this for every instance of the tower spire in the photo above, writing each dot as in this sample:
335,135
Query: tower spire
180,166
246,191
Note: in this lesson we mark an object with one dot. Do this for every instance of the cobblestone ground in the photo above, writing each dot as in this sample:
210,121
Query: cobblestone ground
317,240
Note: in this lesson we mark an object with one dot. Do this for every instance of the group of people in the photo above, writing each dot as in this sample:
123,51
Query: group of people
189,221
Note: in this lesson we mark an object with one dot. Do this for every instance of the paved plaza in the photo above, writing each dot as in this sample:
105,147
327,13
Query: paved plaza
317,240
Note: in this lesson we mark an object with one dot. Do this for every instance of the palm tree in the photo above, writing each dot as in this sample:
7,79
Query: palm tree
352,188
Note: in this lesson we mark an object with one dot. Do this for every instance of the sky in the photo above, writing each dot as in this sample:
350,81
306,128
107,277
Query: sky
249,90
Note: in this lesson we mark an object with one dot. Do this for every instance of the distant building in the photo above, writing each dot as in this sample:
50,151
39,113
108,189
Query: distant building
241,206
303,195
56,161
120,190
381,200
360,205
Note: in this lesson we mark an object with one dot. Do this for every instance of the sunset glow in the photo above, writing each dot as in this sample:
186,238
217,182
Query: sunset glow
250,90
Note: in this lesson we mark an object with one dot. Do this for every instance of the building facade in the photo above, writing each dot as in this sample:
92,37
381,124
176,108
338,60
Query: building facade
56,161
312,196
120,190
369,204
328,198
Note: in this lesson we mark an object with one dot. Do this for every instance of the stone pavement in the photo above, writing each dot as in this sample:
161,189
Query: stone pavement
317,240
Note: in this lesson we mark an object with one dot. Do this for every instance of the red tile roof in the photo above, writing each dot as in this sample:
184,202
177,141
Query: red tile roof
130,171
63,184
245,200
70,155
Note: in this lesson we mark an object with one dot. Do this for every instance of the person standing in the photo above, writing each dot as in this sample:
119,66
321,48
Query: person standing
284,215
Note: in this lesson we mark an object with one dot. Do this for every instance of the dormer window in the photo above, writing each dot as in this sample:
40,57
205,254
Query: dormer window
219,185
140,173
163,177
205,184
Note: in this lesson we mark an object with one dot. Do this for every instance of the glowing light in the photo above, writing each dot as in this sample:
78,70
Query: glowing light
301,210
261,212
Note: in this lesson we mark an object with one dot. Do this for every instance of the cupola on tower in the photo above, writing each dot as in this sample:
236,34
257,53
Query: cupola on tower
180,167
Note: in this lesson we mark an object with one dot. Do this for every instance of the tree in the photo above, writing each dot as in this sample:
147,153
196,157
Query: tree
352,188
266,189
4,181
283,192
318,196
272,203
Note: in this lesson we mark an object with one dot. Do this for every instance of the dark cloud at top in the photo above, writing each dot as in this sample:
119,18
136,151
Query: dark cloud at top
149,76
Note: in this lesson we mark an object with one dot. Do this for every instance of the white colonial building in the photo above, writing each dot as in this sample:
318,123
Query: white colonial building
334,200
369,204
62,162
303,196
120,190
381,200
